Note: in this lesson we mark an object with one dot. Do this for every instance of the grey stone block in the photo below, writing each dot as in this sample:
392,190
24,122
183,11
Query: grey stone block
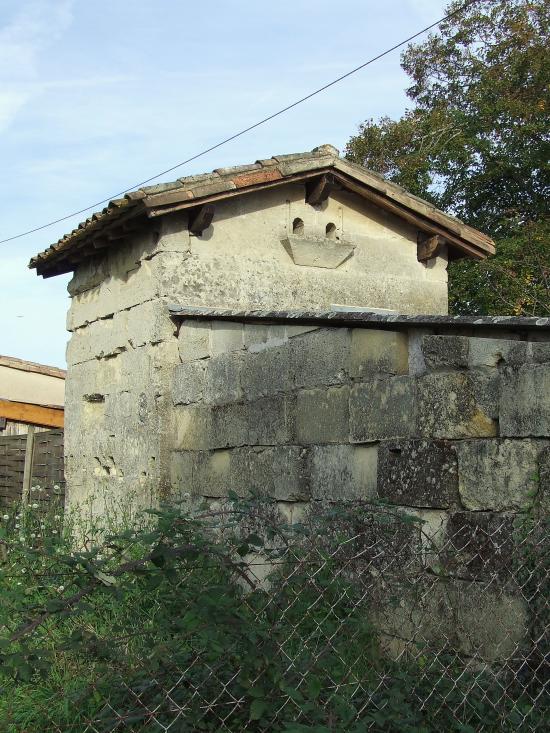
223,379
322,415
267,372
343,472
383,407
543,499
444,352
479,545
259,337
321,358
539,352
189,382
448,407
525,401
194,340
418,473
225,337
268,421
498,474
492,352
280,472
374,352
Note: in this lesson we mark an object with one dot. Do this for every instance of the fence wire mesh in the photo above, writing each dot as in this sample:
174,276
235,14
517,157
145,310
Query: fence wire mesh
355,619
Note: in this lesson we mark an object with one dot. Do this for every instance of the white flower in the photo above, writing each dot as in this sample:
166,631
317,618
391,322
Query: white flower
17,526
57,517
56,487
33,535
6,516
61,589
34,506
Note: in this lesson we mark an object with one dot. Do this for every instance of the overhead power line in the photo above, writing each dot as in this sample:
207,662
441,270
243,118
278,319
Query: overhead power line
226,140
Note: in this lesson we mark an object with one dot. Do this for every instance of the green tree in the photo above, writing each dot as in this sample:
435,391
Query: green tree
476,143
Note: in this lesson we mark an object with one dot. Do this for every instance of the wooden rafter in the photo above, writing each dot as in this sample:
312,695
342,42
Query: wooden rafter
48,417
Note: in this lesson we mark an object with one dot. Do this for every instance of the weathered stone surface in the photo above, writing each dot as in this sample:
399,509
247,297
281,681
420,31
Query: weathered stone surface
189,382
267,421
543,498
383,407
279,472
321,358
492,352
444,352
375,351
343,472
322,415
258,337
525,401
471,618
194,340
226,336
498,474
267,372
418,473
223,379
539,352
479,545
448,407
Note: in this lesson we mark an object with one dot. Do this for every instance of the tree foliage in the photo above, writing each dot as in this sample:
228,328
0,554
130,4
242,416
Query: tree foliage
476,143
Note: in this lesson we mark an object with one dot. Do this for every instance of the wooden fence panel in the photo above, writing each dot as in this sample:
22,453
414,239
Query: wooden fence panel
47,464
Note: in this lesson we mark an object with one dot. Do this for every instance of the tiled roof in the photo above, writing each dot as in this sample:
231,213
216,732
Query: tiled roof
104,227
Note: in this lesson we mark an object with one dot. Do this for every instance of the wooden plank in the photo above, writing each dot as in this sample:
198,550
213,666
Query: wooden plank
27,470
52,417
428,247
201,219
318,191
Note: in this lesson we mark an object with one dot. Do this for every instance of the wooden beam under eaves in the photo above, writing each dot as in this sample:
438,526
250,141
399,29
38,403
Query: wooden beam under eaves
319,190
427,246
201,218
48,417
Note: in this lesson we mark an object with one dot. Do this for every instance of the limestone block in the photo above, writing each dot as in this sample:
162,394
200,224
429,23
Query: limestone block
491,352
280,472
525,401
479,545
189,382
223,379
375,351
321,358
539,352
206,473
472,618
444,352
191,427
225,337
418,473
343,472
448,407
498,474
268,372
194,340
292,331
258,337
322,415
382,407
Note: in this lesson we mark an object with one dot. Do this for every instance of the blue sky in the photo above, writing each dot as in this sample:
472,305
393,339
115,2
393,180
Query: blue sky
96,96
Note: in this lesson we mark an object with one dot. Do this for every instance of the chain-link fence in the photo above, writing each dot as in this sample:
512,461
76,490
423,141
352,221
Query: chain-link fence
356,618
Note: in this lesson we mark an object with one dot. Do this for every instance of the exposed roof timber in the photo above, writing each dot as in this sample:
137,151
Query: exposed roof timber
321,170
48,417
30,366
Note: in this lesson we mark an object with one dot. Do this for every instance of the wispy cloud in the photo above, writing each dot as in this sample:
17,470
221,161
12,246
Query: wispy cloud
33,28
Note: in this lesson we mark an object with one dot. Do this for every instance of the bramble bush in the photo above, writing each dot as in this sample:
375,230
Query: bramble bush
212,618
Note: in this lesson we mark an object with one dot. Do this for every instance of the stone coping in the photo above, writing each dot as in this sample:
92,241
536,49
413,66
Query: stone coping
364,319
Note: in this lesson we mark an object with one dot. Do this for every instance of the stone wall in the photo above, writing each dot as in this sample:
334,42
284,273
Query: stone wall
435,422
443,425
